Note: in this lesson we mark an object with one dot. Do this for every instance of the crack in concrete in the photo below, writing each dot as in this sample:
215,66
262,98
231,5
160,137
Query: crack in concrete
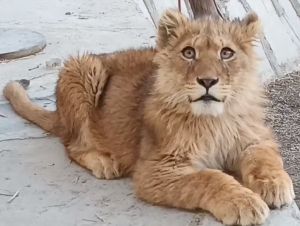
26,138
36,77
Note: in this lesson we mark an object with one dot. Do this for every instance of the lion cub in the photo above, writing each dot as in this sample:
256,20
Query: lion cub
174,118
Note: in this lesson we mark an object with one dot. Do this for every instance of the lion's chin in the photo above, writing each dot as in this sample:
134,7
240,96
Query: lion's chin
207,108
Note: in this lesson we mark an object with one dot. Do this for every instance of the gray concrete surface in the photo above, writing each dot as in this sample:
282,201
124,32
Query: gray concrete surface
17,43
51,190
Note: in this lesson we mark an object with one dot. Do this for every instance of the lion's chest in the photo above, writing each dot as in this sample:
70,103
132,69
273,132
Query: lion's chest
209,146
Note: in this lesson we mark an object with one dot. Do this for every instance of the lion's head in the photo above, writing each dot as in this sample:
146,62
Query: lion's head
205,65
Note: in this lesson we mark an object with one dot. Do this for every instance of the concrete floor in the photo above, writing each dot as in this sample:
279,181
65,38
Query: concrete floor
51,190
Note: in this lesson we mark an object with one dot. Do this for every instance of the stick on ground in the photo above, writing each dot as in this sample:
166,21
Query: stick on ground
14,196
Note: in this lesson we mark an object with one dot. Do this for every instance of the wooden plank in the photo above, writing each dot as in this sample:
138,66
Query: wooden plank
296,6
279,9
152,10
157,7
144,9
291,20
205,8
236,10
189,8
265,44
279,32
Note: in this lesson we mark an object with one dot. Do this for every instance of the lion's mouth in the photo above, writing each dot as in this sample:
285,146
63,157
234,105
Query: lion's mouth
206,98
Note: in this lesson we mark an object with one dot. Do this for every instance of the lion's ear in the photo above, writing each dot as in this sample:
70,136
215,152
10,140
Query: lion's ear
252,24
170,20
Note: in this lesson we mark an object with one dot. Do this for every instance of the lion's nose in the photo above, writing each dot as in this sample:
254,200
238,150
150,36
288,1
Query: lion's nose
207,82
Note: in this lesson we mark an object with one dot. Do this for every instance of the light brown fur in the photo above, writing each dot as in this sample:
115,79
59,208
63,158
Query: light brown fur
131,113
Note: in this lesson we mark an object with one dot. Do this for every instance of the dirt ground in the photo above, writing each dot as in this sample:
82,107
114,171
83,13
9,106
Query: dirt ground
284,117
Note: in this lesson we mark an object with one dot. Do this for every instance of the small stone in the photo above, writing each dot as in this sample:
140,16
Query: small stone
84,181
82,17
54,62
24,82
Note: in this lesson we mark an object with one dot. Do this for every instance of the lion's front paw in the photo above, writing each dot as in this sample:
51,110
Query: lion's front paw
242,207
274,186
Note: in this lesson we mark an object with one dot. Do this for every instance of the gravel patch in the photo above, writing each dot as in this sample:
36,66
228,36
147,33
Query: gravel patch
284,118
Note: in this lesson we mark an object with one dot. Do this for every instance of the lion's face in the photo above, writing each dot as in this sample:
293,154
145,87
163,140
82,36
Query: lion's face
205,64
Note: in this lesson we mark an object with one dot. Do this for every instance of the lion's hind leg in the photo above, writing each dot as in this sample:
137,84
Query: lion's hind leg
81,83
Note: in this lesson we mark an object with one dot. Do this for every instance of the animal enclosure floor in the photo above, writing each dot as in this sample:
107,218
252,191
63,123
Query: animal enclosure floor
284,117
51,190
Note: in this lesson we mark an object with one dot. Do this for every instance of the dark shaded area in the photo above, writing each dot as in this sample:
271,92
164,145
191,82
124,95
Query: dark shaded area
284,117
205,8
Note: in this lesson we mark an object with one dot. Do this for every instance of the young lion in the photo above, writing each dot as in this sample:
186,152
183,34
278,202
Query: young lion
174,118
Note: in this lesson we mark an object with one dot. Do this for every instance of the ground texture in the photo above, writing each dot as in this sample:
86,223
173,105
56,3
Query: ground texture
284,117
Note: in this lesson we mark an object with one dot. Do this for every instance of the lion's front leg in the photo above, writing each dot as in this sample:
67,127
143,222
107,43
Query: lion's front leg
160,183
262,171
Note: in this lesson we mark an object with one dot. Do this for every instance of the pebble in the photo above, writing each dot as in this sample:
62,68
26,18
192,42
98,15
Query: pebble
53,62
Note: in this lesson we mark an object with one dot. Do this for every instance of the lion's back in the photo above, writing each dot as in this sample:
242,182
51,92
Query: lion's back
121,108
107,90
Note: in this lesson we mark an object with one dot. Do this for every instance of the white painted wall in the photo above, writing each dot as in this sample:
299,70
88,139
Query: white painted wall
280,41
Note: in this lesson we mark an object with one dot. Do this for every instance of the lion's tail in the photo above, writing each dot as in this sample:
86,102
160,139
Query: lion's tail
16,94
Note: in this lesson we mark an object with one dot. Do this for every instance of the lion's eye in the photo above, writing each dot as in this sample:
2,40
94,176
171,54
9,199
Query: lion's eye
226,53
189,53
